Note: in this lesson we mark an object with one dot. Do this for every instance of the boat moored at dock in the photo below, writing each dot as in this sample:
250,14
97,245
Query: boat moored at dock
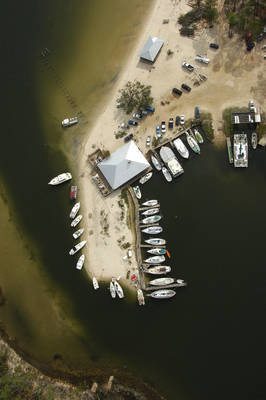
156,162
167,174
181,148
240,150
155,260
152,230
254,140
78,233
157,250
77,247
198,136
74,210
76,221
66,176
170,160
80,262
155,241
137,192
69,122
151,220
158,270
162,294
145,178
112,289
140,297
95,283
119,290
192,143
151,211
161,281
150,203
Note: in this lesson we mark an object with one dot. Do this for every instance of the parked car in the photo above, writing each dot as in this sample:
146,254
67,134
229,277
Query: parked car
197,112
137,116
148,141
182,119
202,59
177,120
214,46
187,66
177,91
144,113
186,87
260,37
124,125
158,132
131,122
171,123
250,46
128,138
163,127
150,108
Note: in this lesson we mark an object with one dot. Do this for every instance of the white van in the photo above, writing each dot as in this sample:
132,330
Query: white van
202,59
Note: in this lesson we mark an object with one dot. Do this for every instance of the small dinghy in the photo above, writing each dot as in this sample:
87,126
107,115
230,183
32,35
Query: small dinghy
76,221
145,178
80,262
137,192
112,290
95,283
74,210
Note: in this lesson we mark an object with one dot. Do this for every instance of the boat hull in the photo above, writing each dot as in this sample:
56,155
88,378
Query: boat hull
156,163
156,241
155,260
151,220
80,262
158,270
152,230
145,178
76,221
150,203
167,174
163,294
77,247
66,176
157,251
151,211
161,281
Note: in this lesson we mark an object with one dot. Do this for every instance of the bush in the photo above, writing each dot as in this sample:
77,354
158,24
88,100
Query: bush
206,123
135,95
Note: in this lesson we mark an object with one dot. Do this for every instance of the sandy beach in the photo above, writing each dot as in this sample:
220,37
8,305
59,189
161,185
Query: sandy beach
233,77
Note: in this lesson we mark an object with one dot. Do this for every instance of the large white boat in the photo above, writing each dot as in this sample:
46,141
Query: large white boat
66,176
158,270
77,247
161,281
155,260
156,163
150,203
162,294
152,219
155,241
172,163
74,210
241,150
145,178
254,140
69,121
152,230
192,143
95,283
167,174
78,233
119,290
157,251
151,211
137,192
76,221
140,297
181,148
80,262
112,289
198,136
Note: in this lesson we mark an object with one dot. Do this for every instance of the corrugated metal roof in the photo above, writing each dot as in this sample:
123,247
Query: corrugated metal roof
123,165
151,48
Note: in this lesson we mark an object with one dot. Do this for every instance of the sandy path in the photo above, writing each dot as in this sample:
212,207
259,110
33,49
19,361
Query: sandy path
234,76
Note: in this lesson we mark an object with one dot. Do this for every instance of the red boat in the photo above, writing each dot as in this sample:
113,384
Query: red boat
73,192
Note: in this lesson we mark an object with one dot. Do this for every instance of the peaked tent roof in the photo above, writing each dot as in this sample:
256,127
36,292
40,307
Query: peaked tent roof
123,165
151,48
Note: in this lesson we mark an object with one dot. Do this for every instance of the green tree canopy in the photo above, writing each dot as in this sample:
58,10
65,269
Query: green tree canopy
135,96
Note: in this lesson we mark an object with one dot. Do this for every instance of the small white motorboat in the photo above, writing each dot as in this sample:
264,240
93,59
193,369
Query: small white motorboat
112,289
156,163
78,233
74,210
76,221
157,251
80,262
158,270
156,241
118,290
151,220
77,247
137,192
161,281
167,174
69,121
145,178
152,230
198,136
192,143
181,148
140,297
66,176
95,283
155,260
254,140
151,211
150,203
162,294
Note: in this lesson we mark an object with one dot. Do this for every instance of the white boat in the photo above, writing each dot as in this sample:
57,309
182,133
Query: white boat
151,211
152,230
78,233
69,121
76,221
161,281
74,210
155,241
137,192
145,178
157,251
192,143
112,289
162,294
167,174
95,283
66,176
151,220
198,136
77,247
254,140
150,203
181,282
171,162
181,148
118,290
155,260
80,262
158,270
140,297
156,163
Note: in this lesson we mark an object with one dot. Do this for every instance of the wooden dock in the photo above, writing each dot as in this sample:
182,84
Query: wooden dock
160,246
148,207
230,150
173,285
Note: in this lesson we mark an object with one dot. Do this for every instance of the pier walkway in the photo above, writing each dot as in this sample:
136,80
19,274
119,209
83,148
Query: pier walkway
230,150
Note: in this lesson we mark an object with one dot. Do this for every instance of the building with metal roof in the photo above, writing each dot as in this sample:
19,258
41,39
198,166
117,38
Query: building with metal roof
151,49
123,165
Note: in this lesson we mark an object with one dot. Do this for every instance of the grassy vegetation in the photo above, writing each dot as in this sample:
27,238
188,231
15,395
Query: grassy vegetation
120,134
206,123
261,128
124,195
227,118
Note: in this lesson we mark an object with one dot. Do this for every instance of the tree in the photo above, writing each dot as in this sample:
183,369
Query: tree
211,15
232,19
135,95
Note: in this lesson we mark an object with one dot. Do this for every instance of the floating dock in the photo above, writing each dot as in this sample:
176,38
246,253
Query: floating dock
230,150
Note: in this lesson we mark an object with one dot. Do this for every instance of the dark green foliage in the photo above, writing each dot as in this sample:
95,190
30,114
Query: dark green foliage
206,123
186,31
190,17
135,96
202,10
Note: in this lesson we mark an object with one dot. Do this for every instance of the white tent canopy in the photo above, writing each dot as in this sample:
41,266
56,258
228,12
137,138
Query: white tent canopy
123,165
151,48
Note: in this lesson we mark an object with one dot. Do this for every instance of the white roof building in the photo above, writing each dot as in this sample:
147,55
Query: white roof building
151,48
123,165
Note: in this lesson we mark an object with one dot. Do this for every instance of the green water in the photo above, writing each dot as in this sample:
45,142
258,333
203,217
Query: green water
204,344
